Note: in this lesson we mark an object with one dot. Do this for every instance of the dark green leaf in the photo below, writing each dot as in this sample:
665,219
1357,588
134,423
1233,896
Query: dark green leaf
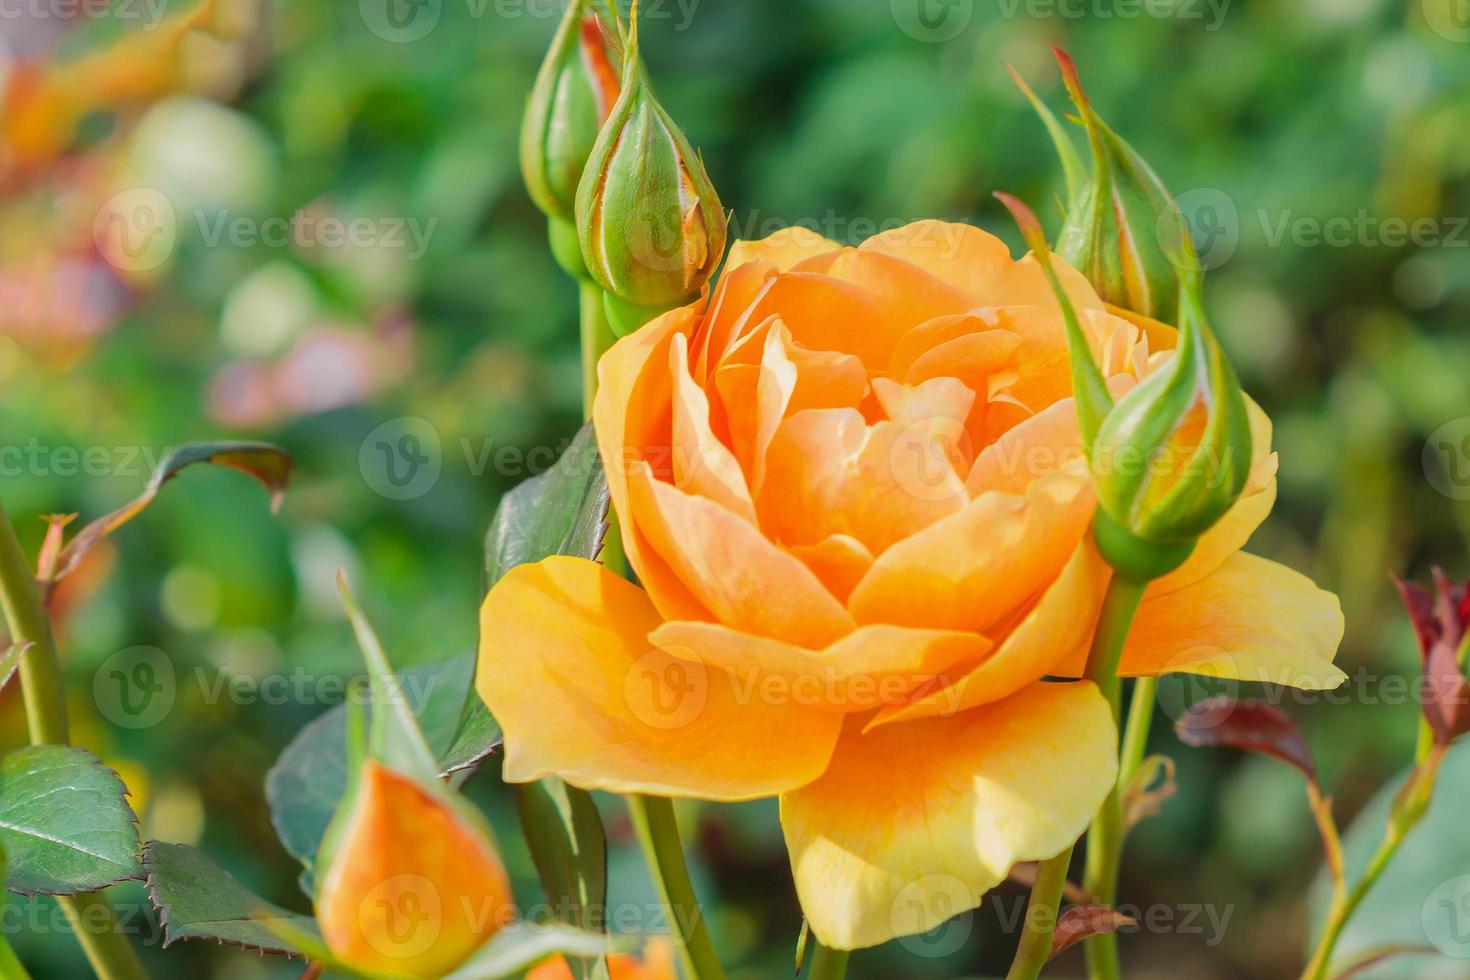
569,847
1424,893
197,899
479,736
65,823
307,781
561,512
269,465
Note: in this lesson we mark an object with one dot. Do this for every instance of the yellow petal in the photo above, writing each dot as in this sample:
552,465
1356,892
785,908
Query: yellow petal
702,464
743,578
414,886
905,294
912,823
826,313
783,249
839,560
1250,620
869,668
969,259
632,416
967,571
829,472
1059,625
567,669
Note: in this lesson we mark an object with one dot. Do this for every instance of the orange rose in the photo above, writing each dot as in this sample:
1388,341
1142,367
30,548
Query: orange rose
852,487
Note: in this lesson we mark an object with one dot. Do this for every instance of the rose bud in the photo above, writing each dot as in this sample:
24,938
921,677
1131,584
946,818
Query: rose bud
651,226
410,882
1170,456
1123,230
573,96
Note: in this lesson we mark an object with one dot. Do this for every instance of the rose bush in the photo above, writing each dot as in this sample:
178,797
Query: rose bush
851,485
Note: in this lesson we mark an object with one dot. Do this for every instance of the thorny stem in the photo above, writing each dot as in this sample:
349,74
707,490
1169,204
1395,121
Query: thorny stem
90,914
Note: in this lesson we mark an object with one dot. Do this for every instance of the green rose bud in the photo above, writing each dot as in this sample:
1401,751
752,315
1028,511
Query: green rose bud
573,96
651,226
1122,229
1172,455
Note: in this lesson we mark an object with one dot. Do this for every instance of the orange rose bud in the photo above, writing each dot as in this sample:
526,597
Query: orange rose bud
1122,229
573,96
651,225
410,882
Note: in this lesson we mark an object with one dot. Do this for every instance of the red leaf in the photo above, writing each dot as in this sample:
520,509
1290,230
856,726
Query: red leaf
1440,619
1252,726
1083,922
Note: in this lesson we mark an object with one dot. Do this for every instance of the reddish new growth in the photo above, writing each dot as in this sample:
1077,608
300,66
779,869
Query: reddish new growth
1440,619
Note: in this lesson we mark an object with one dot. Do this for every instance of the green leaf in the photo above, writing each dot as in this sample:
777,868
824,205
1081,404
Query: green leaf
197,899
479,736
569,847
65,823
394,736
266,463
305,785
515,949
1423,897
561,512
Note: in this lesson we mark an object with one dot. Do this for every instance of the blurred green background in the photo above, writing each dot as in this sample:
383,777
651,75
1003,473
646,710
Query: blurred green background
1295,132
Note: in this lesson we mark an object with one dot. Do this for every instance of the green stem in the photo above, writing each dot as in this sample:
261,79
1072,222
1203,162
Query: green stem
658,832
1135,736
1408,810
1119,606
1342,911
597,337
1105,837
1041,918
828,964
90,914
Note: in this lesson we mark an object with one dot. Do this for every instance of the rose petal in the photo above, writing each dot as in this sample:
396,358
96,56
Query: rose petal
968,570
913,823
870,667
567,670
1250,620
1060,624
744,579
